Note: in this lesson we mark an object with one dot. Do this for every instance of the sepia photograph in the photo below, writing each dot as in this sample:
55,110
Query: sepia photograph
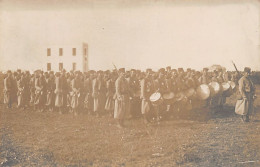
129,83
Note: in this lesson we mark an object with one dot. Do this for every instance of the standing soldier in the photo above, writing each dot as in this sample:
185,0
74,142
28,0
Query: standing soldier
8,89
134,88
59,99
247,91
40,86
20,92
26,80
98,94
75,94
88,101
110,103
205,79
121,98
50,87
160,86
32,89
147,88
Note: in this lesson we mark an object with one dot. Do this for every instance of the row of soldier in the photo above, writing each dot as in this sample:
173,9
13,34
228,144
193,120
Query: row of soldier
120,93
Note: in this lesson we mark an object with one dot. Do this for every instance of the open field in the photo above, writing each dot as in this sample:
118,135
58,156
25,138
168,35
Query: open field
204,138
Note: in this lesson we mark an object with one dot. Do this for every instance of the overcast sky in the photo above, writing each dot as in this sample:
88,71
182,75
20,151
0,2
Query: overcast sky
132,35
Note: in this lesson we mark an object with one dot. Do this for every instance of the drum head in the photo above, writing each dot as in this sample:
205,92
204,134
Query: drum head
190,92
179,96
168,96
232,84
155,97
225,86
214,88
203,92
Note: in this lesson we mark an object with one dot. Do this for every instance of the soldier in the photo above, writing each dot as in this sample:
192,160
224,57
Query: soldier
40,94
20,92
98,93
247,91
205,79
110,86
8,89
121,98
32,88
26,80
134,88
160,86
75,93
50,87
59,98
88,101
147,88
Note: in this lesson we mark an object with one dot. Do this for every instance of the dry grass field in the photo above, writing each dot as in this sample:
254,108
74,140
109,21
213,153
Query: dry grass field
203,138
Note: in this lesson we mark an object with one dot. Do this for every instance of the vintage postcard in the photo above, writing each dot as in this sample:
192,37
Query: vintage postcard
130,83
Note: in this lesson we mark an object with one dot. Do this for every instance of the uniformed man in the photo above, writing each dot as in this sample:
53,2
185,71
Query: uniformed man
110,86
40,93
59,98
88,101
205,79
75,93
20,92
247,91
8,89
121,98
147,88
98,94
50,87
134,88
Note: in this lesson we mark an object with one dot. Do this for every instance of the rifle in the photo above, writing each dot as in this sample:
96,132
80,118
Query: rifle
236,69
115,68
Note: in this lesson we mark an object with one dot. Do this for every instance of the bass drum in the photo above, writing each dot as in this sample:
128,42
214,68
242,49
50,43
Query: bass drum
232,84
203,92
215,88
190,93
168,97
227,90
156,99
179,97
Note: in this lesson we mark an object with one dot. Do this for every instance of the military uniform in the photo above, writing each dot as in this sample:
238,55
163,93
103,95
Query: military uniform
247,92
121,98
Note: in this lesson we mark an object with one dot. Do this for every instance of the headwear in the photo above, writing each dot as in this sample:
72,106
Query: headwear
148,70
168,68
205,69
247,69
180,70
161,70
188,69
121,70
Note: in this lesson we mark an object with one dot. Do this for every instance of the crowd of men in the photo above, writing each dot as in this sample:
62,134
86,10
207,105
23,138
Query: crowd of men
120,93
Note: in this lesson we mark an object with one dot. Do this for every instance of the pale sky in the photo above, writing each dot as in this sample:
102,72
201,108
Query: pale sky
133,35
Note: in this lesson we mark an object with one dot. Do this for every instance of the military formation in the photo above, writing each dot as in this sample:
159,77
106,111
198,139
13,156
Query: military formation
122,94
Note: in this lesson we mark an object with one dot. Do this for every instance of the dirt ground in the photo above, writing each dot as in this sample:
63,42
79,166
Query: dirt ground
201,138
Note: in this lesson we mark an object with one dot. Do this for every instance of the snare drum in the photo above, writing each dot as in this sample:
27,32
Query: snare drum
156,99
168,97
